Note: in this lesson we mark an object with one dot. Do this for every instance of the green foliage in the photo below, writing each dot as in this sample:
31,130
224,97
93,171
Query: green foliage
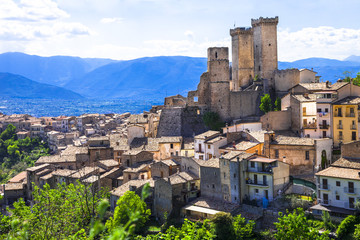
357,231
277,104
347,226
212,120
347,78
256,78
126,206
242,229
223,226
17,155
296,226
56,213
266,105
328,225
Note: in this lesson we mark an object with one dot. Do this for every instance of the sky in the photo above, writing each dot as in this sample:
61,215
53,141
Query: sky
129,29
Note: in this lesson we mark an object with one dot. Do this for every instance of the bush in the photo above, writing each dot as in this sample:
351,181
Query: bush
347,226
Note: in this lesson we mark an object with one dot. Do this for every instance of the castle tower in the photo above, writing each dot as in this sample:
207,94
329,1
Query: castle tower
219,81
265,47
242,57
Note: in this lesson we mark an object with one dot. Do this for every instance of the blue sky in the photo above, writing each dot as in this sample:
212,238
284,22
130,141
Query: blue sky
128,29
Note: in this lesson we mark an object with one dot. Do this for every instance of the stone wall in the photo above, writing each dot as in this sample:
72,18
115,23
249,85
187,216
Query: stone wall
286,79
276,120
162,198
244,104
210,183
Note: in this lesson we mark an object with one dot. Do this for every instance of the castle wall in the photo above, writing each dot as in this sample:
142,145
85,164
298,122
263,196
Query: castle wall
307,76
220,99
265,47
242,57
170,122
244,104
286,79
218,64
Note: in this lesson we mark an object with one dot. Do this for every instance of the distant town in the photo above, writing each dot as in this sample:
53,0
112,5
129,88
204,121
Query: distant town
248,140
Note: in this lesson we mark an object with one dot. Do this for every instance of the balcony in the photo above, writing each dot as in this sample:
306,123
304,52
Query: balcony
340,138
350,115
353,127
267,170
350,190
310,126
324,187
324,126
199,151
339,126
324,202
251,182
322,114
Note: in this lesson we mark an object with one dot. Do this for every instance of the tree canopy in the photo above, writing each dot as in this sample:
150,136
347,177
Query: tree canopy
265,104
213,121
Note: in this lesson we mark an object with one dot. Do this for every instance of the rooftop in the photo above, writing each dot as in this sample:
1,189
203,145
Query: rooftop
181,177
323,86
207,134
305,97
214,162
133,183
338,172
14,186
348,101
347,163
290,140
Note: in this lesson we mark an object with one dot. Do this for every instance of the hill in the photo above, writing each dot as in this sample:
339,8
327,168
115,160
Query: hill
56,70
20,87
144,77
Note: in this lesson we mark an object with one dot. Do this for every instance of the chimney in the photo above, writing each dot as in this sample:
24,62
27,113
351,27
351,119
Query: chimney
327,84
168,180
234,145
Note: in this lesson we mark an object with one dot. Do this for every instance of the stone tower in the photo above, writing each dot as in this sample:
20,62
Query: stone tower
242,42
265,47
219,81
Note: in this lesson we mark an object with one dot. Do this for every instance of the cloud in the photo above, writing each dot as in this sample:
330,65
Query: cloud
30,10
111,20
324,41
27,20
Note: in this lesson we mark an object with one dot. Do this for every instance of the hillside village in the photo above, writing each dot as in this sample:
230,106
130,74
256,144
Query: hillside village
310,146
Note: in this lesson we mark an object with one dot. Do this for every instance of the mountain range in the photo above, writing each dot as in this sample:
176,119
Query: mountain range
143,78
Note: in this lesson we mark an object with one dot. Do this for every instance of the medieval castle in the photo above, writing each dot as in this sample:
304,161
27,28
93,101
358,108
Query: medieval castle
234,92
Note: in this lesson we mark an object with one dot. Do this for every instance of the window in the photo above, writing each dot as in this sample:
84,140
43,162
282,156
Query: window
326,110
224,175
256,190
171,145
214,173
195,99
307,155
252,164
276,153
234,175
224,163
234,187
213,186
353,136
337,197
319,110
209,146
338,184
201,157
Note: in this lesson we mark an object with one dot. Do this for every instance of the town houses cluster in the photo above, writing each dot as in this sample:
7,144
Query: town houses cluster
310,146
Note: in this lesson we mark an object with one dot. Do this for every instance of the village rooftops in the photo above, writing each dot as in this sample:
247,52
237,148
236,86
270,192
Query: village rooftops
47,176
337,172
240,145
131,184
36,168
72,150
257,135
170,140
188,143
19,178
138,168
207,135
63,172
170,162
262,159
138,118
305,97
323,86
181,177
234,155
56,159
213,162
289,140
216,139
217,205
347,163
348,101
13,186
109,163
85,171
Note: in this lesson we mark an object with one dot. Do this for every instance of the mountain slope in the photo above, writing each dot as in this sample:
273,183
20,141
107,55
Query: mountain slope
18,86
144,77
57,70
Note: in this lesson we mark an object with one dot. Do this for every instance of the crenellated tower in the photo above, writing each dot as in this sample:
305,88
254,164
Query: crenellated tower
265,47
242,43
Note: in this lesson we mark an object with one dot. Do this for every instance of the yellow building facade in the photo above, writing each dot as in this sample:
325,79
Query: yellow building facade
345,120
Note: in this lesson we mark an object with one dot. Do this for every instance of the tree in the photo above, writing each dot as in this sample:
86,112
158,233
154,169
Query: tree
296,226
265,105
348,78
347,226
243,230
223,226
277,104
56,213
9,133
128,204
212,120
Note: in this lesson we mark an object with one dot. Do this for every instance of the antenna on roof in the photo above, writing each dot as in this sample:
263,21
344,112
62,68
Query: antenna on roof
234,23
